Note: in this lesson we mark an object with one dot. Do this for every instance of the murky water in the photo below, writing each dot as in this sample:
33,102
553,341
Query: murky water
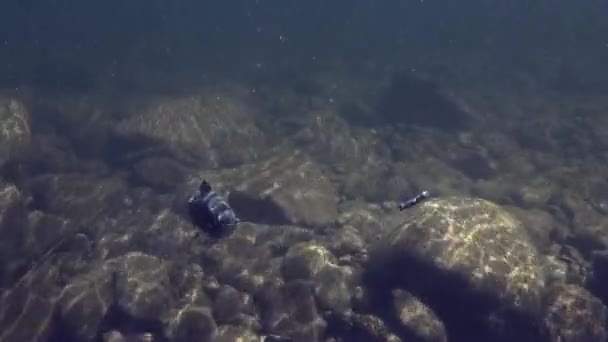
314,119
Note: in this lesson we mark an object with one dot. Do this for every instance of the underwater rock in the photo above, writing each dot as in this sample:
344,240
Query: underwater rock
135,291
534,194
209,130
333,288
418,318
47,154
13,229
541,226
15,131
12,207
416,100
332,141
84,302
163,234
114,336
574,314
311,261
252,256
368,221
285,189
361,327
230,333
142,287
85,199
46,231
290,310
28,308
587,224
305,260
234,307
346,242
566,265
467,249
194,324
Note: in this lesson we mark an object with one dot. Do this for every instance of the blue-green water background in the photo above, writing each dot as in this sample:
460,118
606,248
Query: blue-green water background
231,37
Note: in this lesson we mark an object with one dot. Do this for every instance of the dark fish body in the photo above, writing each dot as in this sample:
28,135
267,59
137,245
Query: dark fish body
211,212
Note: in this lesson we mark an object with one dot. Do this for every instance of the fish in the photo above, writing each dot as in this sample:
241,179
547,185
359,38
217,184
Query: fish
414,200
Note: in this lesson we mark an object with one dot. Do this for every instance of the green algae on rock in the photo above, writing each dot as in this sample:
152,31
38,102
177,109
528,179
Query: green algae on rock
477,241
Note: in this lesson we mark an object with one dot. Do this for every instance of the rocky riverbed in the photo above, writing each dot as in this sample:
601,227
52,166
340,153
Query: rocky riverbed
96,244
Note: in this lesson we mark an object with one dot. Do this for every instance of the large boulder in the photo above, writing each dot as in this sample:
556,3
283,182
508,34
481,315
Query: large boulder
464,252
214,129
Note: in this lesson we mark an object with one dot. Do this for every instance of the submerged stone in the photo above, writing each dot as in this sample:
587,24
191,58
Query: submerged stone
209,130
305,260
14,232
418,318
574,314
15,131
136,289
290,310
478,240
464,252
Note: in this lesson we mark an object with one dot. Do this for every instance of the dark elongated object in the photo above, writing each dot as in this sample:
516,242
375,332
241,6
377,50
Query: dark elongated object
414,201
